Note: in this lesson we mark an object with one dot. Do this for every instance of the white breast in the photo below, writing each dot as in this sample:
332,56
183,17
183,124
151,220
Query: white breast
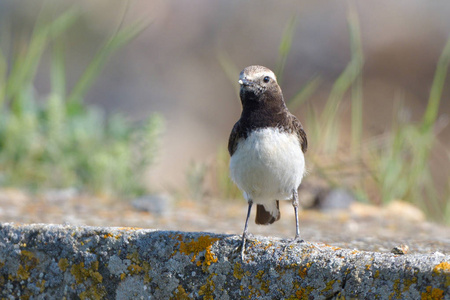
268,165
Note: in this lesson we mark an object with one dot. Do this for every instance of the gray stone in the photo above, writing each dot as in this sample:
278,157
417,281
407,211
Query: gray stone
52,262
334,199
160,204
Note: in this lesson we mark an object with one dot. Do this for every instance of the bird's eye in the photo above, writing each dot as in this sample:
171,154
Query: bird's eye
266,79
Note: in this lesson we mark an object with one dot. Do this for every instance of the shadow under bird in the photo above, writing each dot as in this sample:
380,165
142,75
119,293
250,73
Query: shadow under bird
267,147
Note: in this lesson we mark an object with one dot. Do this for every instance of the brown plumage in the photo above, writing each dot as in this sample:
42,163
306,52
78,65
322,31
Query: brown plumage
263,217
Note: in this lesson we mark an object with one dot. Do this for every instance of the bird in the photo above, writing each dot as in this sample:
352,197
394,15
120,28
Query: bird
266,147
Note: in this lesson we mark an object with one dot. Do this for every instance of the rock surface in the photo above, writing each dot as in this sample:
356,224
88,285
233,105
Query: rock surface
54,261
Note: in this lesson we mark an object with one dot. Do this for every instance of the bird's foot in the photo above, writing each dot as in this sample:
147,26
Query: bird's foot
241,247
296,240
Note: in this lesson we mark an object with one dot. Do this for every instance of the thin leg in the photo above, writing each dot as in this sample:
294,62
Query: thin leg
244,234
295,204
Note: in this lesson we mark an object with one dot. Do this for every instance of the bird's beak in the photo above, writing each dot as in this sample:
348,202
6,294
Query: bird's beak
245,82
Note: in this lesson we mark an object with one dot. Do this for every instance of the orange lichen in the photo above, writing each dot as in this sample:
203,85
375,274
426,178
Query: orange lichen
110,235
129,228
443,267
432,294
194,247
303,271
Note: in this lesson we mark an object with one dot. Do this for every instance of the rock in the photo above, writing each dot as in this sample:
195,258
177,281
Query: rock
56,196
159,204
335,199
404,210
56,262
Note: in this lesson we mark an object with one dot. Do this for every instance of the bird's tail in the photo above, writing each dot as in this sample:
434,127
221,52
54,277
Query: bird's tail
265,217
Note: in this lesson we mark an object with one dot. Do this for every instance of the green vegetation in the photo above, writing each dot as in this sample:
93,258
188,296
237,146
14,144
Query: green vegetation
376,169
61,142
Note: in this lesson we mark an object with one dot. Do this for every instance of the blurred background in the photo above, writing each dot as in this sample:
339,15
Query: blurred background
134,101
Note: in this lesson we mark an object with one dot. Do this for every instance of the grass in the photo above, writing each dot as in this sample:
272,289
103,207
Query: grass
61,142
377,169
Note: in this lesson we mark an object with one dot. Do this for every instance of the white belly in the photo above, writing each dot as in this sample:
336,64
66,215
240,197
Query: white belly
268,165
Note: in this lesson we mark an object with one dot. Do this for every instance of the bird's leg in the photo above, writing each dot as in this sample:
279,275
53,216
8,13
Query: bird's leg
297,238
295,204
244,234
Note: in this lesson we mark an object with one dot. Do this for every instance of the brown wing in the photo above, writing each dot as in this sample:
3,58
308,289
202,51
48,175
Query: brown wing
300,132
232,141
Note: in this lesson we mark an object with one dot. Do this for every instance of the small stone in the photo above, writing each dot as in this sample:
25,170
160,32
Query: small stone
60,195
159,204
335,199
400,250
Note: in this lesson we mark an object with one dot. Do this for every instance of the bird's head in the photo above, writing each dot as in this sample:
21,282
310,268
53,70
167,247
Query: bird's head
258,83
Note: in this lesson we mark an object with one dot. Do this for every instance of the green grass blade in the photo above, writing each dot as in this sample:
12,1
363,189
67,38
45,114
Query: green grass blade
230,69
357,89
304,93
24,69
436,89
58,69
285,47
3,70
120,39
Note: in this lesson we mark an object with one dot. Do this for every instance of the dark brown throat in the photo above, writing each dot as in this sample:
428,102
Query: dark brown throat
263,217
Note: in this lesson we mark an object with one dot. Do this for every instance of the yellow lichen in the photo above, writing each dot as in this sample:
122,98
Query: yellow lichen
301,293
41,285
260,274
22,273
264,283
91,278
329,285
408,282
134,269
238,273
432,294
208,288
28,261
63,264
396,292
138,266
180,294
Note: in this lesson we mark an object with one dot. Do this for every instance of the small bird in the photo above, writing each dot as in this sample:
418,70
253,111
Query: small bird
267,147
